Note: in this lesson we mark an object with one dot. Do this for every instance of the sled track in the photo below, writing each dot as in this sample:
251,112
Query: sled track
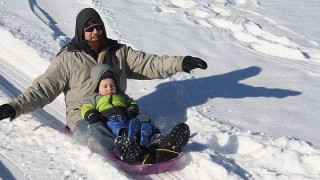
16,83
169,175
173,175
16,87
312,67
222,35
8,170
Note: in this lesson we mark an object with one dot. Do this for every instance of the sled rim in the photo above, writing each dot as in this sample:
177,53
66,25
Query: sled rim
114,157
145,168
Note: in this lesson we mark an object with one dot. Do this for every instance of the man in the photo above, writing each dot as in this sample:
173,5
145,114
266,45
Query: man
69,73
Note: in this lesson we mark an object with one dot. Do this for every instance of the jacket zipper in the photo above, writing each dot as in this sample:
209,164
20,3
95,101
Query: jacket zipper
114,108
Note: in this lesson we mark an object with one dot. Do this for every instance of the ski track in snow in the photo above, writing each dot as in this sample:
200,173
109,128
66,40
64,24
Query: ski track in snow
236,22
9,170
216,149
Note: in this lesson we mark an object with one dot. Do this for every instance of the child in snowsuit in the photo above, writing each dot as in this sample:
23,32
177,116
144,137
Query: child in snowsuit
121,114
116,109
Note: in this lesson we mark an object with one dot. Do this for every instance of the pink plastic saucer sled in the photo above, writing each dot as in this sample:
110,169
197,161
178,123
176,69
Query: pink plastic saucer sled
140,168
144,168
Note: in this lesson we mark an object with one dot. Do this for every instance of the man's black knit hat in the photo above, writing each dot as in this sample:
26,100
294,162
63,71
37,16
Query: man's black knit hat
84,16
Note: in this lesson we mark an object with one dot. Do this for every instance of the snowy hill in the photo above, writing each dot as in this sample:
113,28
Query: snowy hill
253,113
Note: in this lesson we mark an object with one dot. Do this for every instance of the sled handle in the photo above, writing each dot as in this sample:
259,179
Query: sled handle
167,150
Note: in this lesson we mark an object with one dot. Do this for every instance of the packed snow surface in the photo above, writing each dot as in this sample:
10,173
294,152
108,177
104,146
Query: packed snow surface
253,114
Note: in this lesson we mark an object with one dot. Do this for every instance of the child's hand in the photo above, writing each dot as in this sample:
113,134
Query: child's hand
133,111
94,117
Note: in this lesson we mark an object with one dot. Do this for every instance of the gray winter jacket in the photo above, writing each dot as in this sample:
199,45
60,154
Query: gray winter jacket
69,73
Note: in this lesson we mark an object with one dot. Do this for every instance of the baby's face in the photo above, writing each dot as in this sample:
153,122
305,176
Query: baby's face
107,86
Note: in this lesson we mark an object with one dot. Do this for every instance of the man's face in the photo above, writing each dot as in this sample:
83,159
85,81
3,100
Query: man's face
107,86
93,30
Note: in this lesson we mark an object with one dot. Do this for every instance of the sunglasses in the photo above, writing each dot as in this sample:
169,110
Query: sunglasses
91,28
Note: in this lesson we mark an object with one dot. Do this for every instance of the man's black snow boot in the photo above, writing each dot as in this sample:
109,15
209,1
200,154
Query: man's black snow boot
172,144
129,151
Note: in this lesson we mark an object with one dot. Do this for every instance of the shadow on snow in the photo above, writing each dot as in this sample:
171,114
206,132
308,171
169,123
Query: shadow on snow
5,172
51,22
168,104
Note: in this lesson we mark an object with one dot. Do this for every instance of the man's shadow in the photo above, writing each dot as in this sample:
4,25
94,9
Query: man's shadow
168,104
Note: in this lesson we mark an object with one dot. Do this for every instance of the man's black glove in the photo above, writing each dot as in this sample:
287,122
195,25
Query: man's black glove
190,63
7,111
133,111
93,116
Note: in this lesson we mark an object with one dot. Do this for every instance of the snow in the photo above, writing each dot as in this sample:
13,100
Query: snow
253,113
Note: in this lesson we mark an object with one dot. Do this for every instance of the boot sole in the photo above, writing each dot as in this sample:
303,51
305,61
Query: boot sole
129,150
173,143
